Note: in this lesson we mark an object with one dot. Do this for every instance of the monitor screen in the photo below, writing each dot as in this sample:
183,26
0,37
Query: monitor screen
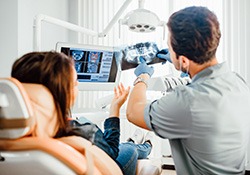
96,66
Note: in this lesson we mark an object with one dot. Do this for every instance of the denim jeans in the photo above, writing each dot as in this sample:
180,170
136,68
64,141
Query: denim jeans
129,153
125,154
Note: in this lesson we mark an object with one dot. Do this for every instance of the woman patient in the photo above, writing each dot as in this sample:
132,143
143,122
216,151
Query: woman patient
57,73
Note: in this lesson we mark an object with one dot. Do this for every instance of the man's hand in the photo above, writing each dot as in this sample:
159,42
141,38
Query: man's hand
143,68
164,55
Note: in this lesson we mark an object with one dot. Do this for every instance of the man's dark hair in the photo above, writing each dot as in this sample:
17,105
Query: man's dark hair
195,33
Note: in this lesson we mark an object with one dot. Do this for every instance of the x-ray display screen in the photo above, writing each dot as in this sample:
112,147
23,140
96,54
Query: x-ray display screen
93,64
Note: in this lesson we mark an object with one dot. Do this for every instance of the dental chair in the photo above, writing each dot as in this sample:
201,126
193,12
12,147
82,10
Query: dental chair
26,142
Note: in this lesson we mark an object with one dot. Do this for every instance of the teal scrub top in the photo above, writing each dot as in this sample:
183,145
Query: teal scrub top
207,122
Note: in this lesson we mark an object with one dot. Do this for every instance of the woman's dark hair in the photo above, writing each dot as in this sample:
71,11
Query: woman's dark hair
54,71
195,33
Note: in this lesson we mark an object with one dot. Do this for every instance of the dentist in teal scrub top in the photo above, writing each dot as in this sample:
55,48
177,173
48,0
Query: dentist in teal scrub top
207,121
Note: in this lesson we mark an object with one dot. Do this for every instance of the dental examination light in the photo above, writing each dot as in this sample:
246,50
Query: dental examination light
139,20
142,20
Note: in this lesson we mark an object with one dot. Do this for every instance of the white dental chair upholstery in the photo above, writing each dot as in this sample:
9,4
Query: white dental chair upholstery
22,153
27,145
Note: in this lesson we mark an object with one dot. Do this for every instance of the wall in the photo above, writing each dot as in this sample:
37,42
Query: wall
16,32
8,35
236,36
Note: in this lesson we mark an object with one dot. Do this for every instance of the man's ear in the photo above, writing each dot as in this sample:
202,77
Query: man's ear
184,61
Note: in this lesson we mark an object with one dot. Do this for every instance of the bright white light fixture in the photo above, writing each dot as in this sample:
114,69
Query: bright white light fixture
141,20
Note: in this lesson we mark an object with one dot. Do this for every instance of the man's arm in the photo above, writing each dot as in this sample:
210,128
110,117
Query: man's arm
137,102
137,99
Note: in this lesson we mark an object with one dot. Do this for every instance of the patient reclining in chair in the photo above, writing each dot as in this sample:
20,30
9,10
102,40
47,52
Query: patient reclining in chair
54,75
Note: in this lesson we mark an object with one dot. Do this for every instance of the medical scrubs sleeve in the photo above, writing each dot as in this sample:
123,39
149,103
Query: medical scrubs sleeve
163,117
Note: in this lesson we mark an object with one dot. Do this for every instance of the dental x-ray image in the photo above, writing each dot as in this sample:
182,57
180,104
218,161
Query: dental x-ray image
78,56
93,62
129,56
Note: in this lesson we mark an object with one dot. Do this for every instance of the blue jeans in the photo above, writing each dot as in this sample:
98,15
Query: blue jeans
125,154
129,153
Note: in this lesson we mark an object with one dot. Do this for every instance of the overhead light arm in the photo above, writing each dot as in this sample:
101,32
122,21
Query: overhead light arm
43,18
141,4
115,18
143,16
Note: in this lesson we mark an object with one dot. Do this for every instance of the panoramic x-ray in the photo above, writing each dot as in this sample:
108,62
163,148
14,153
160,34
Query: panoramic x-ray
129,56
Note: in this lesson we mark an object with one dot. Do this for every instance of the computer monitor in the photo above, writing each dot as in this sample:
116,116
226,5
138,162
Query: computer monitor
97,66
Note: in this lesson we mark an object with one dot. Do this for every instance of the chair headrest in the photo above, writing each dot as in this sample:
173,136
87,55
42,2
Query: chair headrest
15,109
43,105
26,109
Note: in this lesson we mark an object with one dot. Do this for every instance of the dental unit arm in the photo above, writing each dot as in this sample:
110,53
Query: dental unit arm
139,19
44,18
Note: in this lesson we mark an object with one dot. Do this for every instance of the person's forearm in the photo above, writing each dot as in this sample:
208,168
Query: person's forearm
114,111
136,103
